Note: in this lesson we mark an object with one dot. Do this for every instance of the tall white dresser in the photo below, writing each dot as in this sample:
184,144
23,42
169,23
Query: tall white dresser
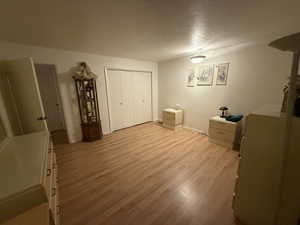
258,183
28,171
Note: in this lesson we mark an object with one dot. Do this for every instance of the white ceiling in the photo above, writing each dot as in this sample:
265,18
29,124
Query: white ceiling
146,29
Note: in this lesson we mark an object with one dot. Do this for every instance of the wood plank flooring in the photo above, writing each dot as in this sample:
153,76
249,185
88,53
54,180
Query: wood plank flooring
147,175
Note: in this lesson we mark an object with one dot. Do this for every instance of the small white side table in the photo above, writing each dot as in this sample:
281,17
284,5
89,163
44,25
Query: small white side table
172,118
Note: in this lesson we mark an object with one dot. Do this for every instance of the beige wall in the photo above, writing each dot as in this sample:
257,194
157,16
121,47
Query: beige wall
257,74
64,61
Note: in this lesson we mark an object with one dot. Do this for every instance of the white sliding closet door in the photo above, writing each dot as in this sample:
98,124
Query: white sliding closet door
116,100
147,100
143,100
129,84
130,98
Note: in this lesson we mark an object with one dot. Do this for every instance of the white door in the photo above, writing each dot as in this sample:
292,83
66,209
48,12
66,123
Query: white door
46,75
116,100
130,98
26,95
145,96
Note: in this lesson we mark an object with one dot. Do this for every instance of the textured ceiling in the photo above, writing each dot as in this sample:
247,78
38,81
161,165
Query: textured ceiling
146,29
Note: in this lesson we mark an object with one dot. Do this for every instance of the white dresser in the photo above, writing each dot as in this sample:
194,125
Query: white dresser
224,132
258,182
28,191
172,118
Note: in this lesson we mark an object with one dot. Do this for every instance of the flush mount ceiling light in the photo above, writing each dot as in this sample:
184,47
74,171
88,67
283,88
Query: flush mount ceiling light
197,59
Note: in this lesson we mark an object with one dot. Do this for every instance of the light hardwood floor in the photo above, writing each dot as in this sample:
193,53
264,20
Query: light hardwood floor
147,175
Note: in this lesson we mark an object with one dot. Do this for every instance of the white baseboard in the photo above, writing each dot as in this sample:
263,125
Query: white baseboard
190,128
197,130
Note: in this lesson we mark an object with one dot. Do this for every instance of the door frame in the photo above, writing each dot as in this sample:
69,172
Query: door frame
58,94
107,90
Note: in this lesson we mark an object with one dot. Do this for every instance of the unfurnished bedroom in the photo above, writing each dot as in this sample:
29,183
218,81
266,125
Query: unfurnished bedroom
149,112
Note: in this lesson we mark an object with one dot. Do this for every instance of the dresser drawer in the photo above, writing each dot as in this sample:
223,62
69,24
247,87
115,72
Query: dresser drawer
222,135
169,122
57,210
54,194
168,116
48,174
229,127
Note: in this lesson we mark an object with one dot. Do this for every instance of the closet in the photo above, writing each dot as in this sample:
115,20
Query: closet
129,98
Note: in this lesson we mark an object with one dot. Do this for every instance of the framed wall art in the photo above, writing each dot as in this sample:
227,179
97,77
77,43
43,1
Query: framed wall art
191,79
222,74
205,75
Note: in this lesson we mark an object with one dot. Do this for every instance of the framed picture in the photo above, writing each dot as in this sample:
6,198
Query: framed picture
191,79
222,74
205,75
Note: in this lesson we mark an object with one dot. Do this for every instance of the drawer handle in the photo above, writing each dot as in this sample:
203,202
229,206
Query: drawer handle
53,192
48,172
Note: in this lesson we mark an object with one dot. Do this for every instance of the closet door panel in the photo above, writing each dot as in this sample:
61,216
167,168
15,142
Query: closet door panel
145,97
139,86
135,87
147,101
130,98
116,100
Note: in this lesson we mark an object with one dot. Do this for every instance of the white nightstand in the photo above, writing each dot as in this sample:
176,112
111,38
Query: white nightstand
224,132
172,118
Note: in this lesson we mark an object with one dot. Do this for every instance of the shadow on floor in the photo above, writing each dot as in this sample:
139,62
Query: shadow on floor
59,137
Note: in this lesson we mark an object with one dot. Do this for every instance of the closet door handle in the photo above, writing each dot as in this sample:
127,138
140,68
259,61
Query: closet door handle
48,172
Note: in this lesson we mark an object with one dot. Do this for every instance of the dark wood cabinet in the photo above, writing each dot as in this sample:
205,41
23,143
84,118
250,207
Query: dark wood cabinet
86,89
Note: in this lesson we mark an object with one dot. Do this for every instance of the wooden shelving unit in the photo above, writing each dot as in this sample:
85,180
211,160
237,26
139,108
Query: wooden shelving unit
86,88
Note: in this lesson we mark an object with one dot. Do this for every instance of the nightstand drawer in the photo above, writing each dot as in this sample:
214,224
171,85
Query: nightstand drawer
224,132
221,134
231,127
169,116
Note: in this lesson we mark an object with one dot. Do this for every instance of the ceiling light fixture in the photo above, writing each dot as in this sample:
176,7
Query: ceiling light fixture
197,59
